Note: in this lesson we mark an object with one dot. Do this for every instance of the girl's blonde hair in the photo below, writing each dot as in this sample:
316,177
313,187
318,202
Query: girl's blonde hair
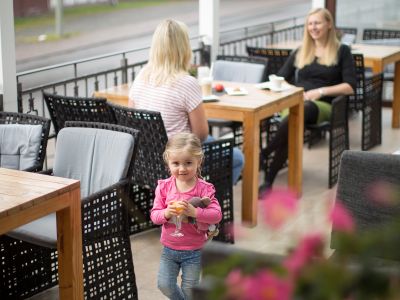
187,142
170,53
306,53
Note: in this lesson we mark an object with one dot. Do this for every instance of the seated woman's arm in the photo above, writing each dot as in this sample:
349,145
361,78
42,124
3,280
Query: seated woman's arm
349,78
334,90
198,122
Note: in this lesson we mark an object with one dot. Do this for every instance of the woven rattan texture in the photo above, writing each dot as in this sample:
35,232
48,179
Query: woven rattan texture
149,165
338,136
380,34
372,114
151,168
26,269
349,30
64,108
217,169
107,255
276,57
19,118
360,171
369,102
356,101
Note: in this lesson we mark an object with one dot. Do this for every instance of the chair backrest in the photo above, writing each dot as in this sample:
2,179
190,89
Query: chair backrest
339,136
149,165
349,30
276,57
65,108
33,145
380,34
217,169
359,173
372,117
239,69
356,101
97,154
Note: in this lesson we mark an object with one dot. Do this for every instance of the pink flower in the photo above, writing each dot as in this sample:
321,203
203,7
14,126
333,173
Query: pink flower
310,246
265,285
279,206
236,285
341,218
383,193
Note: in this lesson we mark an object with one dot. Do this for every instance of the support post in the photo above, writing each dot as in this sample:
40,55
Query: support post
209,25
8,79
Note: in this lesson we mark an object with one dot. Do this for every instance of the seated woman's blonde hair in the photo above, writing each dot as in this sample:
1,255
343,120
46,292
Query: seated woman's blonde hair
170,53
306,53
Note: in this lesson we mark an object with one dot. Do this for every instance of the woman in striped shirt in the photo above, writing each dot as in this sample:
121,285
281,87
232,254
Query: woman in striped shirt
165,85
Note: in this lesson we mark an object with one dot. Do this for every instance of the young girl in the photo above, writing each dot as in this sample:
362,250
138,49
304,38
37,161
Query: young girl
183,155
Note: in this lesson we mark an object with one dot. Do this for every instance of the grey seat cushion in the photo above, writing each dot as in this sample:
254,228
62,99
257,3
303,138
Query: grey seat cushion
238,71
19,145
98,158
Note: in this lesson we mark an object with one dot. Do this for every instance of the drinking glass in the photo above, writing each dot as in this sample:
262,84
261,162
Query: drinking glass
178,220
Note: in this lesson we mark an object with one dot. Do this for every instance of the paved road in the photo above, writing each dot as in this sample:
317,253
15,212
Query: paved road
132,28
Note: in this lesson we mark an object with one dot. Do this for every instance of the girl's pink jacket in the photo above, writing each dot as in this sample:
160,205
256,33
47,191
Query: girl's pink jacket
194,236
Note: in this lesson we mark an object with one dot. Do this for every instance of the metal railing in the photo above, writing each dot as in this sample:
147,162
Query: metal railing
83,77
234,41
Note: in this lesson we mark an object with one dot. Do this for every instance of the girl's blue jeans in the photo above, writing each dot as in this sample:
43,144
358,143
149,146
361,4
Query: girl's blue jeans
171,262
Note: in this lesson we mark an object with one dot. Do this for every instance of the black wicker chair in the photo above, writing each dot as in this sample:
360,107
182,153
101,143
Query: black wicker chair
380,34
344,30
149,167
236,127
367,98
65,108
338,129
276,57
20,118
359,173
27,268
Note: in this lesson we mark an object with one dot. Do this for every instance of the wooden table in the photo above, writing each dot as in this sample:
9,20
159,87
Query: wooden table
250,109
375,57
25,197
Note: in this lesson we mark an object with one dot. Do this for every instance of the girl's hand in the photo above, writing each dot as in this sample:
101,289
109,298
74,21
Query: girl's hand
190,211
174,208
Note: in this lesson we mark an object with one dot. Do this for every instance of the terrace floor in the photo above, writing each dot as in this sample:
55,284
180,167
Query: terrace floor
316,198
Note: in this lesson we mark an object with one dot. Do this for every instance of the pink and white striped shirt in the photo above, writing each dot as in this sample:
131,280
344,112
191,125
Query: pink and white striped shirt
174,101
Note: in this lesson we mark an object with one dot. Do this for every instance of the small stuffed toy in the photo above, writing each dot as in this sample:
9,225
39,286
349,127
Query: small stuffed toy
203,203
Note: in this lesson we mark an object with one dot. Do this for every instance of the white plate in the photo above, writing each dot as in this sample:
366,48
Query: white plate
211,98
237,91
267,85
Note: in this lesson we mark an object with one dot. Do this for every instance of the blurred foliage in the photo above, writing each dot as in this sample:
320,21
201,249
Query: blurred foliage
364,266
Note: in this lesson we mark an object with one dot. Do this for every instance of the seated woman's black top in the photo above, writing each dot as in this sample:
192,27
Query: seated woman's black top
315,76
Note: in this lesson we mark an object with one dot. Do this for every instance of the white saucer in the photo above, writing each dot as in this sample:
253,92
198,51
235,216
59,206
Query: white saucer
211,98
267,85
238,91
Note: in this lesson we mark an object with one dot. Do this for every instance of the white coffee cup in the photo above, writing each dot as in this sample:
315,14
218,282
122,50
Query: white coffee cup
206,86
276,82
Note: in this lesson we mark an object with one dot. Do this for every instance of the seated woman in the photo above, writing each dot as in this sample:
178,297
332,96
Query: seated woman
324,68
165,85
